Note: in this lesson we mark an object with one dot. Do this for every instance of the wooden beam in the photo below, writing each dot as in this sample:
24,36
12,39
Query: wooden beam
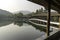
55,6
48,17
59,22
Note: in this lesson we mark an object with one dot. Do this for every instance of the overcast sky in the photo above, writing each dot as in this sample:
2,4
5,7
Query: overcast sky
17,5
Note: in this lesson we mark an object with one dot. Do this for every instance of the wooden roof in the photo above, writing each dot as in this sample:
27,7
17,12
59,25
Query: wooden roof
55,4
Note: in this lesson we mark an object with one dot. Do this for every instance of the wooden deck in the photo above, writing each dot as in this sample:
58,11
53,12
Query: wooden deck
55,36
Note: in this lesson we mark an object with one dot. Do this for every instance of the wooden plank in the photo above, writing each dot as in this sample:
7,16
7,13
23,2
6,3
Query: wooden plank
52,15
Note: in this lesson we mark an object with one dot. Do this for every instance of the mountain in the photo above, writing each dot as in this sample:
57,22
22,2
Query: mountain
24,12
4,13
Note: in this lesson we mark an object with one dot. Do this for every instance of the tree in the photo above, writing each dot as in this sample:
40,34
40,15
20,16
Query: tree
40,10
37,11
19,15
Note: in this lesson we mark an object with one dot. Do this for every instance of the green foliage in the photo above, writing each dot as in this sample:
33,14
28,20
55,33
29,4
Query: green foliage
40,10
37,12
18,15
19,23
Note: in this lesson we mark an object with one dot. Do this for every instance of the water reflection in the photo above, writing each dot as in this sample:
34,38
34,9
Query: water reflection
5,22
19,23
18,30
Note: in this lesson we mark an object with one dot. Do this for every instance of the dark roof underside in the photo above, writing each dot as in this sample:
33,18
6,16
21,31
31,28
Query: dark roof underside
55,4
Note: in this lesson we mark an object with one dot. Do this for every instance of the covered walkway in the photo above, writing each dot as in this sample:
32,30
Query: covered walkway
50,4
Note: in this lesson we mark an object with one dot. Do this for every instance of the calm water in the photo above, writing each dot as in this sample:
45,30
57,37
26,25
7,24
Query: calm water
18,31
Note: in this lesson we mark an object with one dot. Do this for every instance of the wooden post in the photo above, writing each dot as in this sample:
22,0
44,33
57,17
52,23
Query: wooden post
48,18
59,23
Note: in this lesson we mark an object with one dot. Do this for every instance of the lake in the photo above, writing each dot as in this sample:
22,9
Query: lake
10,30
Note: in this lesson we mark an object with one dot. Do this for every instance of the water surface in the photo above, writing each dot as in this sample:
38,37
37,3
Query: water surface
18,31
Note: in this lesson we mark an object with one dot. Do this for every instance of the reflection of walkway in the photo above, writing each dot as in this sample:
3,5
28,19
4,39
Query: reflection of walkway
44,21
54,28
41,25
56,23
